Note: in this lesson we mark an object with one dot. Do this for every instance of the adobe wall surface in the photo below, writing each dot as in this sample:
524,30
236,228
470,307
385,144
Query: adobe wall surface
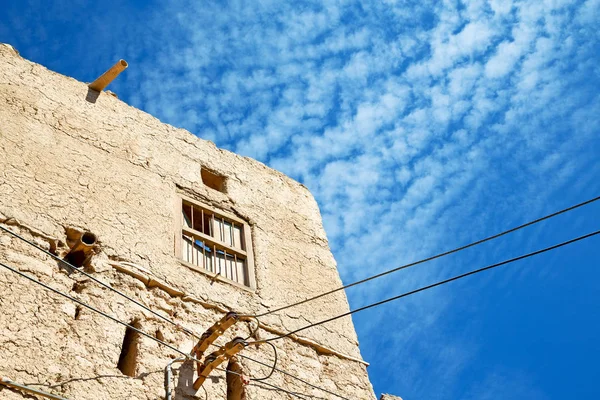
110,169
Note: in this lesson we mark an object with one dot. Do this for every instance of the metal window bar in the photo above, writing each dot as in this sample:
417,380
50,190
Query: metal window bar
222,229
225,262
242,240
204,255
193,239
237,278
215,259
233,233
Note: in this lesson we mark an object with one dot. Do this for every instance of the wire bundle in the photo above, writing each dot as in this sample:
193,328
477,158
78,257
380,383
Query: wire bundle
273,367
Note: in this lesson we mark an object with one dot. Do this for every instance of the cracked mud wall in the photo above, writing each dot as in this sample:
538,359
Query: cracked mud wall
117,172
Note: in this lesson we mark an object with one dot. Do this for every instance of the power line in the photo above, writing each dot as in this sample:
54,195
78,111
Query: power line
273,367
440,255
50,288
300,396
147,308
187,356
277,388
457,277
293,377
312,298
75,269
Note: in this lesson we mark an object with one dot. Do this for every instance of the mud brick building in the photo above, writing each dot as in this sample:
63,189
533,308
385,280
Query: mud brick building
188,230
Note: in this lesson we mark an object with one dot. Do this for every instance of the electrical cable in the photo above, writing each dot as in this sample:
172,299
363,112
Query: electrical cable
305,396
75,269
274,365
281,371
294,394
431,286
188,356
309,299
293,376
440,255
255,329
300,396
50,288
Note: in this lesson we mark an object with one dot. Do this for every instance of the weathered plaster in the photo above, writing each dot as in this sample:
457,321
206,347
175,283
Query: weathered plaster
111,169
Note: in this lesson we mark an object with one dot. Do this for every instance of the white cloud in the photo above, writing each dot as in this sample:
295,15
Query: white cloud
501,7
589,13
504,60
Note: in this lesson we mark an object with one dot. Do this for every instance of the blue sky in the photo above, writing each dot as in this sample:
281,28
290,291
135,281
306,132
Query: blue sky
418,126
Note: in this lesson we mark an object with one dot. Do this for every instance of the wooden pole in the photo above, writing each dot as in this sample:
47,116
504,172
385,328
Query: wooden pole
235,381
106,78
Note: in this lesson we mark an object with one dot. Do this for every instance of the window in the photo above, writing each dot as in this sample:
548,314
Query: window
216,243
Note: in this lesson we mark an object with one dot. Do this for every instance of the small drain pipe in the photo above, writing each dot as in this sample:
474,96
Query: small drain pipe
169,376
107,77
82,251
8,383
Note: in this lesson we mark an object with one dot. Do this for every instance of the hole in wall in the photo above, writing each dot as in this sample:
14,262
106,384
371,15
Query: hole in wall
159,335
78,287
77,312
81,247
213,180
128,360
88,238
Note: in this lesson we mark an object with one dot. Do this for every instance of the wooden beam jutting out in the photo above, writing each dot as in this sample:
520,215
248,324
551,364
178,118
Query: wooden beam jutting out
106,78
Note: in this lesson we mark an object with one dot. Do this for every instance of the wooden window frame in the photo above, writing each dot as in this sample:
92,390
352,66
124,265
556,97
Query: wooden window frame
247,252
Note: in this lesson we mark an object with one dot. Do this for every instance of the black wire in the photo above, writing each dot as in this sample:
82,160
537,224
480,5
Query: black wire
148,309
300,396
293,376
99,281
312,298
432,286
274,365
97,311
255,329
432,257
126,324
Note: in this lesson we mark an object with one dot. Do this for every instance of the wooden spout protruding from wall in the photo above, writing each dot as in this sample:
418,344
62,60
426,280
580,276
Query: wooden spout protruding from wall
82,251
106,78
